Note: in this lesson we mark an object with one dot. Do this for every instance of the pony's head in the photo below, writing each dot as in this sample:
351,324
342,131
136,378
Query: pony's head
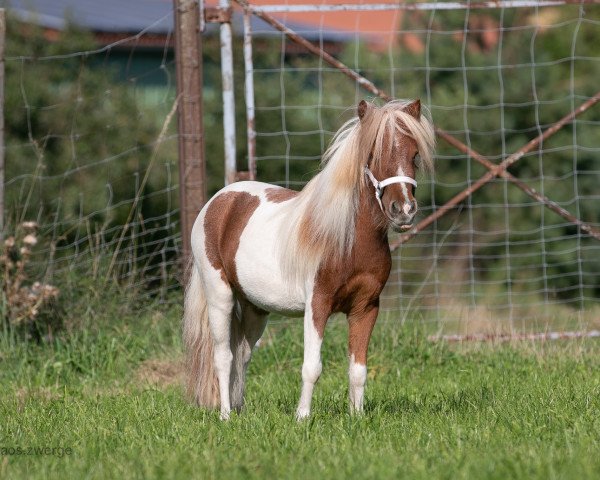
396,140
386,142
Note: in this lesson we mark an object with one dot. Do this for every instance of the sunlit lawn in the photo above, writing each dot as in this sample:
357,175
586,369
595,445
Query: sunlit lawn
112,397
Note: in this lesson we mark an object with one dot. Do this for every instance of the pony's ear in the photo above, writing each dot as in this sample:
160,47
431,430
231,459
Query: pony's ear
363,108
414,109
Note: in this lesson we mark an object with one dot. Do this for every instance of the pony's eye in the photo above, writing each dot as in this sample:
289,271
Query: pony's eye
417,160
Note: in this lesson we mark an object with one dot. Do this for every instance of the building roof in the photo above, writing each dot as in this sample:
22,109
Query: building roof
154,16
378,27
149,16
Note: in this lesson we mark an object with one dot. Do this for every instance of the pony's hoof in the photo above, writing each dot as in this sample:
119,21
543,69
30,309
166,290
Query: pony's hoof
224,415
302,414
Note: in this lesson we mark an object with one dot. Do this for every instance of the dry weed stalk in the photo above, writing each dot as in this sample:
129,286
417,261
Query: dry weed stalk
23,301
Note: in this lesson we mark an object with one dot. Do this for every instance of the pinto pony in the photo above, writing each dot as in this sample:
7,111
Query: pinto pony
258,248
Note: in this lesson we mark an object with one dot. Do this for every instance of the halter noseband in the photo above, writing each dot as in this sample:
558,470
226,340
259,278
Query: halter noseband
379,186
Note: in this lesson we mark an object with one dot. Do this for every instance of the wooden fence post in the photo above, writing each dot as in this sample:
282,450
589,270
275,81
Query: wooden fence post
192,171
2,150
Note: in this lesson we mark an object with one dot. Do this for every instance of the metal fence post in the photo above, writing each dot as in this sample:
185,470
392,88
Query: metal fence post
228,97
249,93
192,172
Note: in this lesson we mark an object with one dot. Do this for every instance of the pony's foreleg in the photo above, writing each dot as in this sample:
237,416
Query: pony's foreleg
360,327
314,326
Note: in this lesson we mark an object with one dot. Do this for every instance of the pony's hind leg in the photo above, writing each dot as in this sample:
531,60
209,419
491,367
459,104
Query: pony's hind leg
360,328
247,328
220,307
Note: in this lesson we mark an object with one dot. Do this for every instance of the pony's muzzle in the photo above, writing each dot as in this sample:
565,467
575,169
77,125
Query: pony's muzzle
404,213
401,215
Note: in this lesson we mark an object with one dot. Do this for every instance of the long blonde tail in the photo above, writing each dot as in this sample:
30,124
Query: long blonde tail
202,382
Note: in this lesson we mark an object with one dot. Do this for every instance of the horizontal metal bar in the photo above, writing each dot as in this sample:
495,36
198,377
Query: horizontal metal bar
508,337
417,6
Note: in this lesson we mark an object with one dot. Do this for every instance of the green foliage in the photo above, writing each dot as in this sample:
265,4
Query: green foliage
78,146
65,117
79,140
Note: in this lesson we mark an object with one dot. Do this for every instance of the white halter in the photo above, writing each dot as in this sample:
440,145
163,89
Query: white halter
379,186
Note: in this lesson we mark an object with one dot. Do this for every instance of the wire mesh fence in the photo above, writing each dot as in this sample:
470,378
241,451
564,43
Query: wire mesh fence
494,78
91,151
91,146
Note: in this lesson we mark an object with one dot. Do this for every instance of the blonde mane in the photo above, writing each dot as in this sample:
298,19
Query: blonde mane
320,221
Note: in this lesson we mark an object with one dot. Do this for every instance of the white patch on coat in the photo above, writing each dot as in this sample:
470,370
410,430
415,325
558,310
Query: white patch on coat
259,275
258,263
312,366
407,206
257,258
357,377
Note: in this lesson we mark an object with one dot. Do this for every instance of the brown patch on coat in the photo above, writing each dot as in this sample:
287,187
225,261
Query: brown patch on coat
359,334
226,218
353,286
280,195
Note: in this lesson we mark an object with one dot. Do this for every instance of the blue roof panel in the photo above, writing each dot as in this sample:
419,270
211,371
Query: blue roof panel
134,16
155,16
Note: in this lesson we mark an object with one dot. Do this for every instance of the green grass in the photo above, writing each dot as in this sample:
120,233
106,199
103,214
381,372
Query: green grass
110,393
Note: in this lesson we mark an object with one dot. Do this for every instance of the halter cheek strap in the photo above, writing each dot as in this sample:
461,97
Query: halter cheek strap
379,186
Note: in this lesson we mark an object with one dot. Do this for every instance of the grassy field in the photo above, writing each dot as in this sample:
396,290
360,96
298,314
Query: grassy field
108,401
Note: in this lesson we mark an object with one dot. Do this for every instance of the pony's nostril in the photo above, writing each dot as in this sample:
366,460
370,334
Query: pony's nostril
410,207
394,208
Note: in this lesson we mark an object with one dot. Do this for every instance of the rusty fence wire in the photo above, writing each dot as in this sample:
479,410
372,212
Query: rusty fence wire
508,232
